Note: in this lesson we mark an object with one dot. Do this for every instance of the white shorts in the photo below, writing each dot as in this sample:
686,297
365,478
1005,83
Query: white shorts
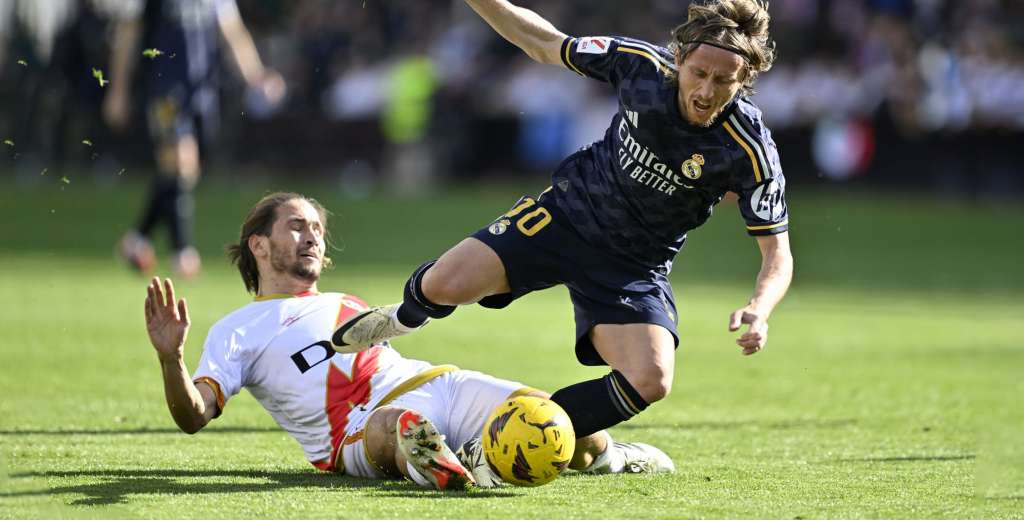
457,403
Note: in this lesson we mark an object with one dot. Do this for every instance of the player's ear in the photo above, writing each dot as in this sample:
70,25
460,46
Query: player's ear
259,245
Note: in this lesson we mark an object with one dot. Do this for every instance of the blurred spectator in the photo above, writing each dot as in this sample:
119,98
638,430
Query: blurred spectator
47,49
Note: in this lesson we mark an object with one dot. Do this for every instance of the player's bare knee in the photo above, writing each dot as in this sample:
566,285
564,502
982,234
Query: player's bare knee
653,383
446,286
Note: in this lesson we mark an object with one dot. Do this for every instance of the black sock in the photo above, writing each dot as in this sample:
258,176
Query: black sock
181,209
416,308
158,206
599,403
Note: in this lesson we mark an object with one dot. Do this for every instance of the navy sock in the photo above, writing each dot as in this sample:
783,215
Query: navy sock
181,210
162,194
599,404
416,308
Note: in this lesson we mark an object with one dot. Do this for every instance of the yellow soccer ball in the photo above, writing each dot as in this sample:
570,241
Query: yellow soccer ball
528,441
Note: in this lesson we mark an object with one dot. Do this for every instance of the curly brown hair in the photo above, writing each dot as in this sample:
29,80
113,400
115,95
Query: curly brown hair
739,26
260,221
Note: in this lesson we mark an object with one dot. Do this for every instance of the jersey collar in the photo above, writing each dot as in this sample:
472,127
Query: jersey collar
279,296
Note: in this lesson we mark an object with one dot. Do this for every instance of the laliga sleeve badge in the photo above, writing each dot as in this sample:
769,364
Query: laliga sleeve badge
593,45
499,227
691,167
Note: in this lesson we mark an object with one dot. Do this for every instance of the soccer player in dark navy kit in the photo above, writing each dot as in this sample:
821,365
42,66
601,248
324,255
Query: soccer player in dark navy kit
181,43
618,211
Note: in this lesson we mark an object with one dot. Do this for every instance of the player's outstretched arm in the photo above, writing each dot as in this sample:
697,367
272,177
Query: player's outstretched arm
123,57
772,284
525,29
167,323
268,81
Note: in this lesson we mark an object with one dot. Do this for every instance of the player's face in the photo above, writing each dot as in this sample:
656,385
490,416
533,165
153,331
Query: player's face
297,241
708,79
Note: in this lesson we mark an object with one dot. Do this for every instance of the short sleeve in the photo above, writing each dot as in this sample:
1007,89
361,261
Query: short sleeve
121,9
764,208
221,365
227,10
6,17
759,181
610,59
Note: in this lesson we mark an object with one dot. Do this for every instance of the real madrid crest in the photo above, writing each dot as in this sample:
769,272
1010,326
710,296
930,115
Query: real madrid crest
691,166
499,227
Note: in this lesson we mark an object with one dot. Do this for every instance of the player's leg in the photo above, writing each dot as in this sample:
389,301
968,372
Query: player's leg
475,395
173,129
496,265
588,447
472,397
401,442
642,359
466,273
380,443
625,318
135,246
185,261
597,453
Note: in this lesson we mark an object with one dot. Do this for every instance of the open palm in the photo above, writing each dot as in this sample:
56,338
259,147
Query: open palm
166,320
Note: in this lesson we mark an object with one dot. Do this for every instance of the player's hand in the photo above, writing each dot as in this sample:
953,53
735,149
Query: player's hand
756,336
272,87
166,320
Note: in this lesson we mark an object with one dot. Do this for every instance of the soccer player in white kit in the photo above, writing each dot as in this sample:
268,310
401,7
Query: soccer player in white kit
343,409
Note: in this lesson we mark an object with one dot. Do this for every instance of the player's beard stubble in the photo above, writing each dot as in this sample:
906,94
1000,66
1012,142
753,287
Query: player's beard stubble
292,264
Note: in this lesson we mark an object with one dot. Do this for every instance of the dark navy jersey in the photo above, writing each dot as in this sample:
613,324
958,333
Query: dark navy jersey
187,32
654,177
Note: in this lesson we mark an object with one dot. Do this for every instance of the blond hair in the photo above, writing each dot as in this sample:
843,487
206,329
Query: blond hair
739,26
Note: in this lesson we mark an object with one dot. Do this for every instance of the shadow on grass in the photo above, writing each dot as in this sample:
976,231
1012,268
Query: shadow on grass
135,431
796,424
119,484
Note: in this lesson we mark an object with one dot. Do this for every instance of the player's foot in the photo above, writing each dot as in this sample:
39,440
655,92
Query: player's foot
632,457
138,252
368,328
428,456
471,455
187,263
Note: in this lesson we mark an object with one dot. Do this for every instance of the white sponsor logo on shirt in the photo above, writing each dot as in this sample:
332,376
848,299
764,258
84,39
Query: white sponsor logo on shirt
633,118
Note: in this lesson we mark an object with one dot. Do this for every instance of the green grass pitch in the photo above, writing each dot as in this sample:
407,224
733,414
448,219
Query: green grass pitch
889,387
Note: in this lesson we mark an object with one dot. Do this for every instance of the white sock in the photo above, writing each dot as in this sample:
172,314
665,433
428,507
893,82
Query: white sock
397,323
417,477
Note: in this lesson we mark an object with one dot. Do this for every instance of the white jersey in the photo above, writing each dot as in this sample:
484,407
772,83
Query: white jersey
279,349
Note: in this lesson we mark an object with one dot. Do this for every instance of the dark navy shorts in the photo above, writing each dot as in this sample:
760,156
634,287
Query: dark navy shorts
540,249
178,110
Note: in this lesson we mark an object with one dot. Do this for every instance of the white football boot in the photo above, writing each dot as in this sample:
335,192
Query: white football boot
631,457
427,455
471,455
368,328
138,252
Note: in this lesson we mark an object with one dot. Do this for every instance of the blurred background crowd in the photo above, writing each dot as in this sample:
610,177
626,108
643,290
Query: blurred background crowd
922,94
